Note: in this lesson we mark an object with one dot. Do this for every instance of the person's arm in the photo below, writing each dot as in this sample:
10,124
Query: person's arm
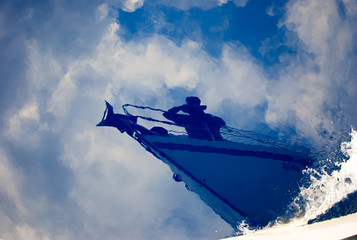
172,114
174,110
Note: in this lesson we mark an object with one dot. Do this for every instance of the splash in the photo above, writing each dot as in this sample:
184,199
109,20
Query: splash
243,228
327,187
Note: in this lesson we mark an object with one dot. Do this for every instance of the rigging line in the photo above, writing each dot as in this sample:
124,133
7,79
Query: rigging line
141,107
166,122
175,124
232,133
233,136
160,121
147,118
235,133
152,119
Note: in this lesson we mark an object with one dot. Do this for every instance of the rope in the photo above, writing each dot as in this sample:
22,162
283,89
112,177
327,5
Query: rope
230,133
148,118
141,107
205,127
239,133
235,133
155,120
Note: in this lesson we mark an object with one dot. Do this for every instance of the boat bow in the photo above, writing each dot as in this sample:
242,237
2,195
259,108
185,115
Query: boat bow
247,180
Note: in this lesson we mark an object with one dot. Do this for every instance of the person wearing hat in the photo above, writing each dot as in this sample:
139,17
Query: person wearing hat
197,123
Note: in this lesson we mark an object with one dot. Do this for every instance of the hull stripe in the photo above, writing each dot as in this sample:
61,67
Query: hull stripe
235,152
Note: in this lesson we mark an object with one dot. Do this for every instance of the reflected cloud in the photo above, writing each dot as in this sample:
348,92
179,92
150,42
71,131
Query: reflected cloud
59,68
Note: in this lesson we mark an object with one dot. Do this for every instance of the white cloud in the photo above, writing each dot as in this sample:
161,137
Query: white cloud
13,209
102,11
204,4
10,184
117,189
111,190
315,86
239,79
131,5
270,11
240,3
26,120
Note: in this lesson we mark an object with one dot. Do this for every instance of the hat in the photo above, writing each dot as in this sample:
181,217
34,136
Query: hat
193,105
193,101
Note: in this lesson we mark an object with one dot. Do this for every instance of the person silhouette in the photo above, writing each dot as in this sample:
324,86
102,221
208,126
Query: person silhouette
197,123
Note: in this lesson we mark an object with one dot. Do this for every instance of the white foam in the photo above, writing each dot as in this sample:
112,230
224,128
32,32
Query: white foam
327,189
324,191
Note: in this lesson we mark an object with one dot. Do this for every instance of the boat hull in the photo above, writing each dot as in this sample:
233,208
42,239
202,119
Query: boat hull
252,179
238,181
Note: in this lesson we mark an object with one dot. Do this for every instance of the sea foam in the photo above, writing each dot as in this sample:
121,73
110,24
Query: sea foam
325,189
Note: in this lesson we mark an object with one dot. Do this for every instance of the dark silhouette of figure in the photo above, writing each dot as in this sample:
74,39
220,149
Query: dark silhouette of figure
197,123
123,123
214,124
